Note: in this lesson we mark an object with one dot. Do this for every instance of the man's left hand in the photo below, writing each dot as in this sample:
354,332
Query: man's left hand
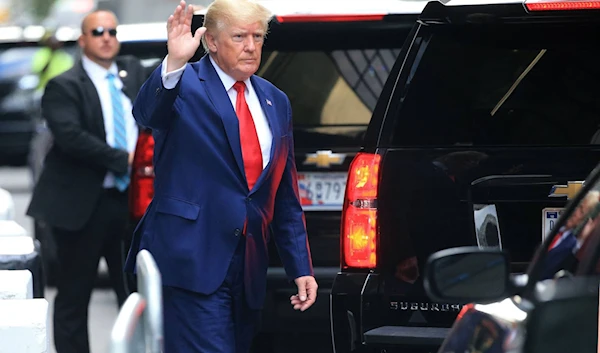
307,293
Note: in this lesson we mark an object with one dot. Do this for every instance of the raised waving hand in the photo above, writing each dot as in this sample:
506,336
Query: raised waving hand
181,44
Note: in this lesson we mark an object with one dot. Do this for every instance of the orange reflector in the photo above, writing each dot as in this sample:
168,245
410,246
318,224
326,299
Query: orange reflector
360,237
329,18
561,5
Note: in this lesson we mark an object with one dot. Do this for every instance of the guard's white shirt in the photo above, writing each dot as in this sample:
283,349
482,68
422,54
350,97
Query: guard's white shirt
265,136
98,75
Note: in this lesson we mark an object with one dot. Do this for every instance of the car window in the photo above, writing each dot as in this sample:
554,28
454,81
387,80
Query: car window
16,62
337,87
17,54
522,85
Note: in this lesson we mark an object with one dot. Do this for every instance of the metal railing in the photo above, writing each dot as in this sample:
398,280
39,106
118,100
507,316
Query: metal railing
127,333
139,325
150,287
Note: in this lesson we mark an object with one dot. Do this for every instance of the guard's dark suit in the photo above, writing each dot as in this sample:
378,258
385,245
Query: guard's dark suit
87,220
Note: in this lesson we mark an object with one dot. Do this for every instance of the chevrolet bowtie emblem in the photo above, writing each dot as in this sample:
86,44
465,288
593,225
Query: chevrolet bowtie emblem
324,159
569,190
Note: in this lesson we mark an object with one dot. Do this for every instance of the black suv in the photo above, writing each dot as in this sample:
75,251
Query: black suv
484,129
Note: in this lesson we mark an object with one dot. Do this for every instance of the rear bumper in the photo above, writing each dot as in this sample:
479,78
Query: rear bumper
280,317
348,314
409,336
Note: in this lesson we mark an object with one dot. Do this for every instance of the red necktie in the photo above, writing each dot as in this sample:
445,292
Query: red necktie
251,152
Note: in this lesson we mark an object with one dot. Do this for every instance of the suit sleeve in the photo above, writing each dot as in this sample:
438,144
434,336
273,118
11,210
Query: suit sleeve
153,106
289,225
60,107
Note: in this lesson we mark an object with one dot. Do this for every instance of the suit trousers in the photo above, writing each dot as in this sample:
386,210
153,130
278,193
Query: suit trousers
220,322
79,254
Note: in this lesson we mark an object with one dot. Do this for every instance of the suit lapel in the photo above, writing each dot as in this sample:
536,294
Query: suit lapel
218,95
266,104
92,101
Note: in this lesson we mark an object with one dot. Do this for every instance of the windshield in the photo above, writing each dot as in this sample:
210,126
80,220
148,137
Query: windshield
504,85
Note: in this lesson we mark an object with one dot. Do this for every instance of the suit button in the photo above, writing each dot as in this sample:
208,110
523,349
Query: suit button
157,91
237,232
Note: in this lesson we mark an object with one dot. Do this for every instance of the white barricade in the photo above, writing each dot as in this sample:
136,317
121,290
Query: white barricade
149,284
16,284
139,326
7,205
23,326
127,334
10,228
23,253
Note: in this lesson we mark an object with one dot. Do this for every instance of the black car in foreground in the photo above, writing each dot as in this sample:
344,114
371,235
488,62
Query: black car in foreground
551,309
485,128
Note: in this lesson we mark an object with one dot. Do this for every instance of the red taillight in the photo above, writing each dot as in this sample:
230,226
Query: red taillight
561,5
359,216
464,310
142,176
330,18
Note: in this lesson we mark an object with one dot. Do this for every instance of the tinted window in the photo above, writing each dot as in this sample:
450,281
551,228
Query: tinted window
509,85
338,87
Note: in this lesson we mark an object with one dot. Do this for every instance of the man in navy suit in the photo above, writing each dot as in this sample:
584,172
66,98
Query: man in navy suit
225,181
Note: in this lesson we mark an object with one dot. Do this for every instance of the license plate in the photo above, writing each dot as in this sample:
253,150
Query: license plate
322,191
549,218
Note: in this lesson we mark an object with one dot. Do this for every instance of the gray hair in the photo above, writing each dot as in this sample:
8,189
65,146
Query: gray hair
223,13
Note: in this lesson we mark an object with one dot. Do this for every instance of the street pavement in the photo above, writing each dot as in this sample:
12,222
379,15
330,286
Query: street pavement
103,307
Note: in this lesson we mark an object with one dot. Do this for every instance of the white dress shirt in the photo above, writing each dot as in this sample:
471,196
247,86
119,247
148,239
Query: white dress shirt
265,137
98,75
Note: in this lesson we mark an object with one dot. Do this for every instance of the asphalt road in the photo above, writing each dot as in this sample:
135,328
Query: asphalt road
103,307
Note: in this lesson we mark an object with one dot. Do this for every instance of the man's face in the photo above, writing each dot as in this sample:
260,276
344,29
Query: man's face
98,40
237,49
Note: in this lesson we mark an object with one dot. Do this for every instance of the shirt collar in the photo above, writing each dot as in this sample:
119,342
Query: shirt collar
96,71
227,80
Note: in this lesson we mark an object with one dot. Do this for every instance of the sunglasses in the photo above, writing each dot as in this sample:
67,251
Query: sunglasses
99,31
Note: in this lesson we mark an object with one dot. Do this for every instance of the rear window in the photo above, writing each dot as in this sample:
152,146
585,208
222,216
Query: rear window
330,87
502,85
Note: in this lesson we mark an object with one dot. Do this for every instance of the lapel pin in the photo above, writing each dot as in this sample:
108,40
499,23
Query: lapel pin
269,102
122,74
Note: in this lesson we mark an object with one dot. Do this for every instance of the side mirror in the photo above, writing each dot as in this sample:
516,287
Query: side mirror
467,274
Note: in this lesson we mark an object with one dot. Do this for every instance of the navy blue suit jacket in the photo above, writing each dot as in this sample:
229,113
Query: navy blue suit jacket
201,197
